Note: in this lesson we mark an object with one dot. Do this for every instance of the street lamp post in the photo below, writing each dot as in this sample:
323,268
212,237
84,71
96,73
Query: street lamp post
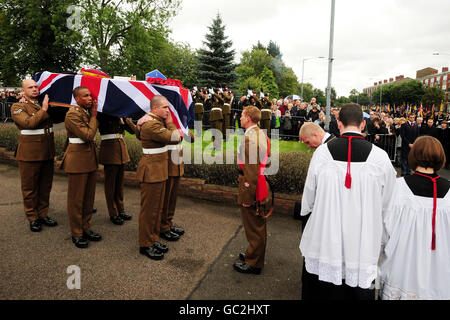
303,70
330,66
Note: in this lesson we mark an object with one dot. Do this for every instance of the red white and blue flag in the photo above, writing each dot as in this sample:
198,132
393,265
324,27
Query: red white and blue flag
120,98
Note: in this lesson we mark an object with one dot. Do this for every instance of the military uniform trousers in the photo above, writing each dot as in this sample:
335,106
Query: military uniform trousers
265,124
170,203
80,201
256,233
217,124
36,184
152,198
114,174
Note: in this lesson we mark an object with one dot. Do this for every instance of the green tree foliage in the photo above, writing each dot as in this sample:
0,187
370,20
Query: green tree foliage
216,66
274,50
405,92
114,29
433,95
320,96
269,83
253,64
178,62
259,46
34,37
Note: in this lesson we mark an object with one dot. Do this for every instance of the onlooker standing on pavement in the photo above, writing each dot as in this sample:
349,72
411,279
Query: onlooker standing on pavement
429,129
35,155
415,264
409,131
342,239
444,138
313,115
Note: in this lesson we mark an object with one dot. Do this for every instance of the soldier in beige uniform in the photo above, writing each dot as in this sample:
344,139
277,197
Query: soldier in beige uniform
114,155
198,106
80,164
266,113
228,100
152,173
251,152
35,155
216,118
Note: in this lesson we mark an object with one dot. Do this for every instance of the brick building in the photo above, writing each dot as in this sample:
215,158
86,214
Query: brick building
431,77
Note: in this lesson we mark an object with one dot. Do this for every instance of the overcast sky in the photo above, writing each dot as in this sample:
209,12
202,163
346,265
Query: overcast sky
373,40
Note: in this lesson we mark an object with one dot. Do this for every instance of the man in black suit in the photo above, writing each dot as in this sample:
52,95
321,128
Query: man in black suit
409,131
429,129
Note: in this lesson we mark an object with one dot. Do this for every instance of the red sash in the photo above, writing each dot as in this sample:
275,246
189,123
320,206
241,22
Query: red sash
261,186
433,236
348,177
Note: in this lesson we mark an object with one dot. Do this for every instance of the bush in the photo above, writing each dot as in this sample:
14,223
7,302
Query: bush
290,178
9,136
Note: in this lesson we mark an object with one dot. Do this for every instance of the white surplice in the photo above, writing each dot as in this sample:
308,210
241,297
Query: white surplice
342,239
409,268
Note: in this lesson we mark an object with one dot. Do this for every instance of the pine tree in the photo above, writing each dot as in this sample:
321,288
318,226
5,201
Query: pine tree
216,66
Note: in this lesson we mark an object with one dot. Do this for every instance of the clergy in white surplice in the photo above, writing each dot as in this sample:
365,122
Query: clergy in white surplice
347,190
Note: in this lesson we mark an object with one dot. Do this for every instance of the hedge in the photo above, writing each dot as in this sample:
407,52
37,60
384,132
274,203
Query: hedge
290,178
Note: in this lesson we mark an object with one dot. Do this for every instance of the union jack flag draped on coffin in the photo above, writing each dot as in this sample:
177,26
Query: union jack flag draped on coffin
120,98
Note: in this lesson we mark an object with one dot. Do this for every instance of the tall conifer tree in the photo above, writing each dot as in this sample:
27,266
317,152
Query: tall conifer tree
216,61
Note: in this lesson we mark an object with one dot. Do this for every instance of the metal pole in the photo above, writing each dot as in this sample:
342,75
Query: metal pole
303,71
330,66
381,94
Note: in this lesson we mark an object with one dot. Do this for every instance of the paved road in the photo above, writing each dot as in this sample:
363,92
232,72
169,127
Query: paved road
199,266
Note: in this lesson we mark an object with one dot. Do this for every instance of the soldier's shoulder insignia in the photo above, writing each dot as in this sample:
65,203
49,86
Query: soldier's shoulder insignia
17,111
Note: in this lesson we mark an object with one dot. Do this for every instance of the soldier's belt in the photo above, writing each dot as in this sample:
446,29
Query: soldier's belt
76,141
216,109
111,136
227,104
266,110
36,131
154,150
175,146
199,104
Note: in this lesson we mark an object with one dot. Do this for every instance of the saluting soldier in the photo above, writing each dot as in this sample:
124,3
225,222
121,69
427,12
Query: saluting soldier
228,100
156,133
216,118
198,106
35,155
80,164
114,155
253,191
266,113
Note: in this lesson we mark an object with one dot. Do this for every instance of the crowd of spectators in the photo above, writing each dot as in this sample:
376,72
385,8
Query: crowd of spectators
399,129
10,96
288,116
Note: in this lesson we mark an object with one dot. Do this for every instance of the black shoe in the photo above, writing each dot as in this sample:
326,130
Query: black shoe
80,242
94,210
49,222
242,267
116,220
125,216
161,247
169,236
92,236
242,256
151,252
35,226
179,231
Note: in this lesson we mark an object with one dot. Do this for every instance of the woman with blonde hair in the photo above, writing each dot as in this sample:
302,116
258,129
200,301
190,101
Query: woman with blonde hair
416,259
